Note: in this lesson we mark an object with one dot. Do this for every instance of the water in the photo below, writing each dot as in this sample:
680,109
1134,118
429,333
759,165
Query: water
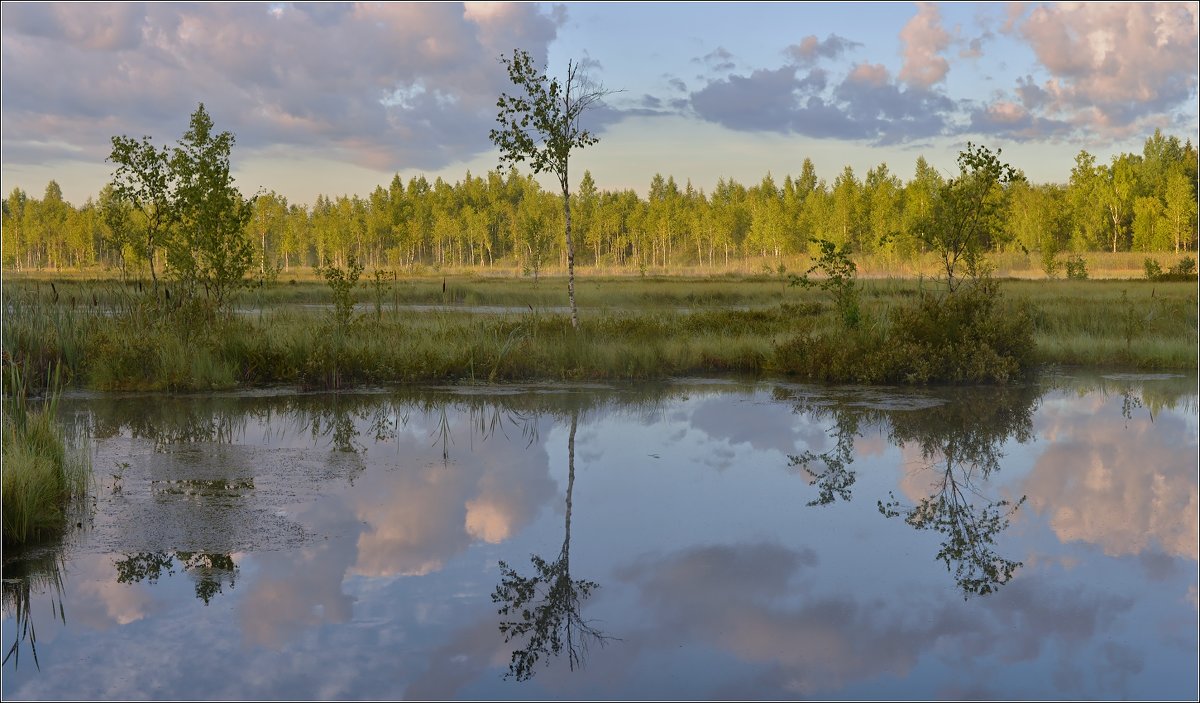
697,540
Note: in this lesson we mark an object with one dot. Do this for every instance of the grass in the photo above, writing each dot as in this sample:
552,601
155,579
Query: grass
108,335
43,470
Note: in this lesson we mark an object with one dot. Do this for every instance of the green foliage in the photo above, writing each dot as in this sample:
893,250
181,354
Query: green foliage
1152,268
636,329
966,337
145,182
211,250
542,126
380,286
1186,268
1050,263
966,217
1076,267
341,284
839,281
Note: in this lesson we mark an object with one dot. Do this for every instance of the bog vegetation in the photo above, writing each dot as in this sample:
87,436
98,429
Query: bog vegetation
186,242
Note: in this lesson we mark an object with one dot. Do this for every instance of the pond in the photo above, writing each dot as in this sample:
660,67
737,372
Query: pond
703,539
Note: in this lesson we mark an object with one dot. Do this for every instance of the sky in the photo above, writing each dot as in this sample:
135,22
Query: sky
336,98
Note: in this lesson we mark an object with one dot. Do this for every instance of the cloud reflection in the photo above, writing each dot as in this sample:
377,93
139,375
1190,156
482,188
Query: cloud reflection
1125,485
759,603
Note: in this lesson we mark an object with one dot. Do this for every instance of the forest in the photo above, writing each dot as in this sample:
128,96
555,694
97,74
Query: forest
1137,203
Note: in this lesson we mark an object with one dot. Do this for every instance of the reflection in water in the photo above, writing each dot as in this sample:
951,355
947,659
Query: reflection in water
350,592
960,443
211,572
21,579
548,604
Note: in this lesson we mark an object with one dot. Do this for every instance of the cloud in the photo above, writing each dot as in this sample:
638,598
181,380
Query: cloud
1113,68
810,50
867,104
924,39
388,86
719,60
1126,489
974,47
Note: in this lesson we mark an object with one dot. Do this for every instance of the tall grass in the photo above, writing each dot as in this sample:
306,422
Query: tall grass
44,468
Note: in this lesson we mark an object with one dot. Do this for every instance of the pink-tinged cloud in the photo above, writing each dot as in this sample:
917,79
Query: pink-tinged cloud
875,74
356,79
1113,66
924,39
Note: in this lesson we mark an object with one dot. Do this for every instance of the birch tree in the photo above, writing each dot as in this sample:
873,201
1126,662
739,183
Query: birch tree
541,125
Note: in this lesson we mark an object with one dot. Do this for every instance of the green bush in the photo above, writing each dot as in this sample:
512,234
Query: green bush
967,337
1077,268
1153,270
962,337
1186,268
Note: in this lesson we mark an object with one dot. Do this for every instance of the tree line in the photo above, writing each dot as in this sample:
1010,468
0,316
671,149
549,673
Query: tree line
1138,202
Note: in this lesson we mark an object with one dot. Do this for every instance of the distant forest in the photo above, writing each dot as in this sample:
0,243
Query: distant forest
1138,202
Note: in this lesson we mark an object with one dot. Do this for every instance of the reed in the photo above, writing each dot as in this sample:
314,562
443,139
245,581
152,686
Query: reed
45,465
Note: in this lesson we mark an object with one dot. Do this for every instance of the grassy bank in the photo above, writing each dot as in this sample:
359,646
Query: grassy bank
112,336
43,471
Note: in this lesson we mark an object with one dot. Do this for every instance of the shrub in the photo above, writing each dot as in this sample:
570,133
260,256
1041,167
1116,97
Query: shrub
961,337
1185,268
1077,268
839,281
966,337
1153,269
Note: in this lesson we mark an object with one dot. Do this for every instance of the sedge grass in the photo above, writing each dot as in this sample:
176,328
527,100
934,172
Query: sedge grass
44,469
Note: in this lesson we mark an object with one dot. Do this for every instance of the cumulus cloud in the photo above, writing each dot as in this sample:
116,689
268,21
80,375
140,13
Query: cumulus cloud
924,40
1113,68
1111,71
388,86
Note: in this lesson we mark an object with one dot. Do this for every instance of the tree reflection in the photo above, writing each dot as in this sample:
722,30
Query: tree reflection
835,479
961,443
21,580
544,609
211,572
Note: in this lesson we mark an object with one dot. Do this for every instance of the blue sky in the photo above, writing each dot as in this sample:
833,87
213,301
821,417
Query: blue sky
335,98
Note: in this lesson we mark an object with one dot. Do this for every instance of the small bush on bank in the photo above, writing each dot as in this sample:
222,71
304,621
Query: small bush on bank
968,337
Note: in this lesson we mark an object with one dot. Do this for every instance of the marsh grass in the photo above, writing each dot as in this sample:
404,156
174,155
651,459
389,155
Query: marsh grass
632,328
45,465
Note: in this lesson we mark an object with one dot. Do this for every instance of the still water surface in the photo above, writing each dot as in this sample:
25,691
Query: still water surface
698,540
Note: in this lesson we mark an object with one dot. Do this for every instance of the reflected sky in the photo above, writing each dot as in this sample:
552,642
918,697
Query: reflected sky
365,532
